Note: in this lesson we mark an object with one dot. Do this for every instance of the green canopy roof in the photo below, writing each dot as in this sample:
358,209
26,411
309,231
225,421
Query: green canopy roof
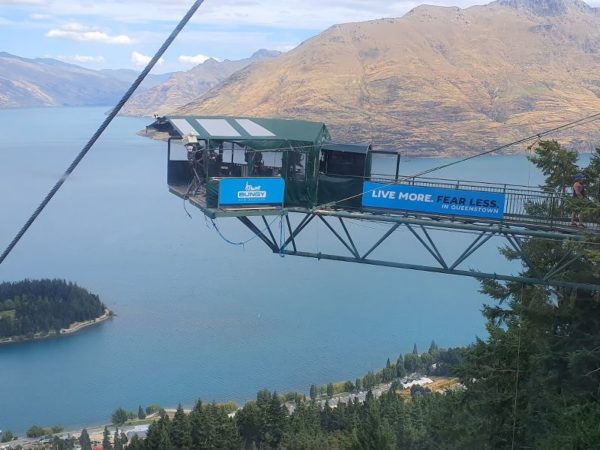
257,133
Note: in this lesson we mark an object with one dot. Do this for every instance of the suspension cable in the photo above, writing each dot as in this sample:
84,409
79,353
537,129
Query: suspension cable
102,128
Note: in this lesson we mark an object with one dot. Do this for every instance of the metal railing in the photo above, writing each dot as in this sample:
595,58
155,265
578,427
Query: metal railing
523,204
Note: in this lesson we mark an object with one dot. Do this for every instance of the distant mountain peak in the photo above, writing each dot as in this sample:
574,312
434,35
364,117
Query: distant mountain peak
264,53
546,7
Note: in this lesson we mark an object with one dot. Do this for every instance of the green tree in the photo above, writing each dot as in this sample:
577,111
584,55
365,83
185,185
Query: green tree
119,417
152,409
8,436
84,440
180,430
330,390
141,415
313,392
433,349
534,381
414,350
106,445
36,431
118,445
411,362
557,164
165,441
358,384
371,431
400,369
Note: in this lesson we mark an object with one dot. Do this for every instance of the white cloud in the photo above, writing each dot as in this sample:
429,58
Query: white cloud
141,60
36,16
198,59
22,2
78,32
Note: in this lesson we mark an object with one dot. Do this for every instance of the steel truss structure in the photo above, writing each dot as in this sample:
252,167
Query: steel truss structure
335,222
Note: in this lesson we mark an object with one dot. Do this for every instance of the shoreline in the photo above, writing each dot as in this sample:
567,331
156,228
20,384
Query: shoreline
73,328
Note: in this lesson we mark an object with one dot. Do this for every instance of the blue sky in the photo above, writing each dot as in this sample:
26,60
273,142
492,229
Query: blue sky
123,33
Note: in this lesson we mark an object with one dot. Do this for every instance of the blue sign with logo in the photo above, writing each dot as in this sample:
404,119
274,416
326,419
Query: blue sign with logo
251,191
454,202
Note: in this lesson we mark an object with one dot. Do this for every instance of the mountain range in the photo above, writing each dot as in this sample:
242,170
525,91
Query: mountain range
49,82
438,81
183,87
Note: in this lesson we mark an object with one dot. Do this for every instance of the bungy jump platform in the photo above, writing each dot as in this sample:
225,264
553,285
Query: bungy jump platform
255,168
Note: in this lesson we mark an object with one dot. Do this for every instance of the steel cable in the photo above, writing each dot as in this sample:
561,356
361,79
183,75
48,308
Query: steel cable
103,127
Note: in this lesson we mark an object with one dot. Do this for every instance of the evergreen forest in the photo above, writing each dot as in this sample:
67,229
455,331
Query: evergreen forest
42,306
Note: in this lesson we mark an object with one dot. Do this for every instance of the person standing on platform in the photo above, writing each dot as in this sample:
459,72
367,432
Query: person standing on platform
578,194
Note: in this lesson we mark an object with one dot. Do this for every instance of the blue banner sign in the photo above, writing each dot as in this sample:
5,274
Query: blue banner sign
251,191
434,200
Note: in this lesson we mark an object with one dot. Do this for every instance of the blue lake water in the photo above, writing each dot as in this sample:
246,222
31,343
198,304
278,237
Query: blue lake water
197,317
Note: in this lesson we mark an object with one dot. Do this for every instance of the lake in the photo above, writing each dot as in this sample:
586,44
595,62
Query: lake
196,316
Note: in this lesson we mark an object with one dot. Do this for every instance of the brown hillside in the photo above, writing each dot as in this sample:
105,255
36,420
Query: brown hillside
183,87
436,81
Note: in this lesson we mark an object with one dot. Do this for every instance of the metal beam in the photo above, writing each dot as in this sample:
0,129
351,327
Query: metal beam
268,227
272,245
289,225
336,234
435,254
466,273
499,228
307,219
380,241
475,245
349,237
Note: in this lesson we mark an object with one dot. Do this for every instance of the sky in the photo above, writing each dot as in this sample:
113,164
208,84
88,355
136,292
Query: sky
114,34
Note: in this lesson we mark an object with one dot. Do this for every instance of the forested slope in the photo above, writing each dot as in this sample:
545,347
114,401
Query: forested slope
40,306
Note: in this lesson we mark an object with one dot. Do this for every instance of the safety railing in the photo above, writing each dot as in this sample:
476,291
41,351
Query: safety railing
523,204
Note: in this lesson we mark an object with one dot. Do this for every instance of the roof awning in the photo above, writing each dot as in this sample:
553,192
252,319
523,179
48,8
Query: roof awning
257,133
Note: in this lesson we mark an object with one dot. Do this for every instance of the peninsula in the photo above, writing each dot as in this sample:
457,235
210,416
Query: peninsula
40,309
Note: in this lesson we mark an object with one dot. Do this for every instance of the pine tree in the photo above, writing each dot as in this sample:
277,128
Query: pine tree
276,419
400,369
165,441
358,384
330,390
141,414
84,440
313,392
180,430
118,445
533,382
106,445
119,417
433,348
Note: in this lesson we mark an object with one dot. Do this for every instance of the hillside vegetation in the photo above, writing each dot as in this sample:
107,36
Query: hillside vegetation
43,306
